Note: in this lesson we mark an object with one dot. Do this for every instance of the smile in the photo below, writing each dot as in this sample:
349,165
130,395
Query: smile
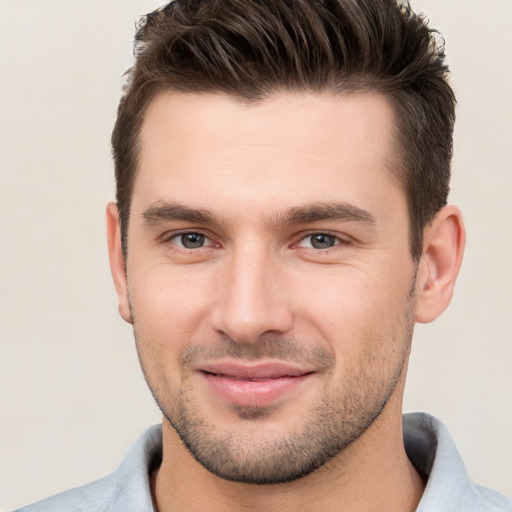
254,386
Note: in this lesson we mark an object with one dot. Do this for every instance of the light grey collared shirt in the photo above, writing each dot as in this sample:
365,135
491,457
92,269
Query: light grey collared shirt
427,441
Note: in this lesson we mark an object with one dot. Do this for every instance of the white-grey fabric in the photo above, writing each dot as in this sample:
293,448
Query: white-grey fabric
427,442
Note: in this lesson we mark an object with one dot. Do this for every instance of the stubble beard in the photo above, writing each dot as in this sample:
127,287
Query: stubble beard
260,457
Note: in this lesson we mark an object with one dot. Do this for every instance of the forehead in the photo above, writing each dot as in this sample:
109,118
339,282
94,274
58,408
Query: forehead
289,148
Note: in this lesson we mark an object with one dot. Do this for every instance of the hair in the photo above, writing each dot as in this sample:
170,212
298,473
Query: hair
252,48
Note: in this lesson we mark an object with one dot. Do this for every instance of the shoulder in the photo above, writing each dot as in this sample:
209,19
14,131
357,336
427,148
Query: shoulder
497,502
126,490
93,497
432,451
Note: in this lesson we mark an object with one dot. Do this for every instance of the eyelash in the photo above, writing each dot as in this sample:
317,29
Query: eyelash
174,236
338,241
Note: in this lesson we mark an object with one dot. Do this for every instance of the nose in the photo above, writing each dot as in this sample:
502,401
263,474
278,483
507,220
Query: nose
252,298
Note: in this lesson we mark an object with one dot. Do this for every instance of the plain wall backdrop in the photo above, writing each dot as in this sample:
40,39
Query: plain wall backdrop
72,397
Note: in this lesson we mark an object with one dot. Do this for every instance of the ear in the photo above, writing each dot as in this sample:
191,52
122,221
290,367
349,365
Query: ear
117,261
443,247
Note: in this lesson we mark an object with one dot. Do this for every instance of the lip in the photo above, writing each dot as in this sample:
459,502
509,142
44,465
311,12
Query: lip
254,385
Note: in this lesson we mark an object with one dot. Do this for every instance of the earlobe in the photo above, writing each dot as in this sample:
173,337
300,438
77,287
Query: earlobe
117,261
443,248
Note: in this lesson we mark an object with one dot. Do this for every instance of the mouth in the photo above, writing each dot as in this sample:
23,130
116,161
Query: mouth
254,385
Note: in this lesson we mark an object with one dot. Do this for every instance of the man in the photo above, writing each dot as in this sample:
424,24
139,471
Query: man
281,223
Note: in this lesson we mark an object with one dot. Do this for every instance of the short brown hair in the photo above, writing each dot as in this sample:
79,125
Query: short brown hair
252,48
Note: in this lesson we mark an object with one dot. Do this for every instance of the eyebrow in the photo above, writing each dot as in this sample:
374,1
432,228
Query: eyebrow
163,211
325,211
167,212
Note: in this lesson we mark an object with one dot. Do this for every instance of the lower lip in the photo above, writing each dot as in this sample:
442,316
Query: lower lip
248,393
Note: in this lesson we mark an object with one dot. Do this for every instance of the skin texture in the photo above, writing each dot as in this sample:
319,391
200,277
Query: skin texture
267,237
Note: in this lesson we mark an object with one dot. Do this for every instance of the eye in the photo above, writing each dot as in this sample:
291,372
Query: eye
190,240
319,241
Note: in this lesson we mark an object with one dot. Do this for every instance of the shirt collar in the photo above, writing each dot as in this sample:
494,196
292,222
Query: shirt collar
427,442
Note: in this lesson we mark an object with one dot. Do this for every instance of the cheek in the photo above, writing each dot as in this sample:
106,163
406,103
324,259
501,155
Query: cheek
167,306
163,323
352,306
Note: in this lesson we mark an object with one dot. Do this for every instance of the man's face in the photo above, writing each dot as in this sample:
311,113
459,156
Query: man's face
270,280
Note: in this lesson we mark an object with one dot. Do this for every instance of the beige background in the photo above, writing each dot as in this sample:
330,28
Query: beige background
72,397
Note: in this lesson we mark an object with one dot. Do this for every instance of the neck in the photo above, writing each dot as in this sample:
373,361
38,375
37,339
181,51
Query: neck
372,474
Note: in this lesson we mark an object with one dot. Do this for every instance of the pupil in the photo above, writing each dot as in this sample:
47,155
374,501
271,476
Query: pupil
322,241
192,240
